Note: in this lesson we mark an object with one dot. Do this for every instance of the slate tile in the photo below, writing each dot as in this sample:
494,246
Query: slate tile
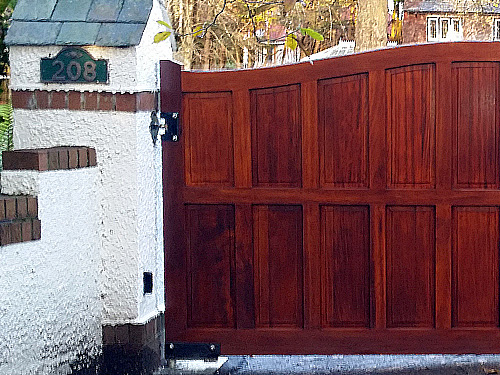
105,10
32,33
29,10
78,33
71,10
120,34
135,11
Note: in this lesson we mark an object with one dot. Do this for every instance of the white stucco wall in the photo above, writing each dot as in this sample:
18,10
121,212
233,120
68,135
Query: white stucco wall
130,168
50,308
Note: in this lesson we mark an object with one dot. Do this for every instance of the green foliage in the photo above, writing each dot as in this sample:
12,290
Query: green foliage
313,34
6,120
161,36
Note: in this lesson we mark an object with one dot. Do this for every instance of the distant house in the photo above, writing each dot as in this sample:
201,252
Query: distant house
446,21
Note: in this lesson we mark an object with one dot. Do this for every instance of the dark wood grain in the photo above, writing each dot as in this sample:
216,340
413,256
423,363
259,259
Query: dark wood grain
343,119
276,136
475,267
346,261
279,266
245,309
208,132
410,266
476,124
350,206
411,126
210,265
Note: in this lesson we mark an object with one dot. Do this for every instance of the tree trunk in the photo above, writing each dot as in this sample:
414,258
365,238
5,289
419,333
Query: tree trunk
371,25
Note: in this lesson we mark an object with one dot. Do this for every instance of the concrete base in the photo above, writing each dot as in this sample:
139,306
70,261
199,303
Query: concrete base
362,364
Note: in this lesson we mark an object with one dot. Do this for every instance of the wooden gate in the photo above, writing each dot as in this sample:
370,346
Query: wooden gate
350,206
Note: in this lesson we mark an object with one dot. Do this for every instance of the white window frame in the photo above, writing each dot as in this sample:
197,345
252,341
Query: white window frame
441,21
439,28
429,20
496,29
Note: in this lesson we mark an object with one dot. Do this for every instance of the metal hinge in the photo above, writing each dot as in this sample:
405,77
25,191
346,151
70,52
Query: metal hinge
192,350
172,126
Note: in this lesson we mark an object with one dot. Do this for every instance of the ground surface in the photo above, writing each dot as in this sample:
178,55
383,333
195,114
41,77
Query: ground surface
353,365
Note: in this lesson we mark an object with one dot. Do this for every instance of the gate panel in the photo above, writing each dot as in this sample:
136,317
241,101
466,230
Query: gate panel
279,273
476,119
411,126
276,150
350,206
343,119
210,266
410,266
209,139
345,240
475,267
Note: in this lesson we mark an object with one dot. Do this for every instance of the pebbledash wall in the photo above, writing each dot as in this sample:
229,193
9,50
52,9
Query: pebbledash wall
109,217
49,301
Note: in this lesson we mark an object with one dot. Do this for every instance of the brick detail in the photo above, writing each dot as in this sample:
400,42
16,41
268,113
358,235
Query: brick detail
74,100
85,101
146,101
18,219
23,99
90,101
106,101
58,100
42,99
50,159
133,335
133,348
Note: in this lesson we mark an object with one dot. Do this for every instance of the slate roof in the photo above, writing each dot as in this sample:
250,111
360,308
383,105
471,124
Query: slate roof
436,6
107,23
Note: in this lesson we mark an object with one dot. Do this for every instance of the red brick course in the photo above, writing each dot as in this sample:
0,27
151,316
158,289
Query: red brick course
85,101
18,219
58,100
106,101
50,159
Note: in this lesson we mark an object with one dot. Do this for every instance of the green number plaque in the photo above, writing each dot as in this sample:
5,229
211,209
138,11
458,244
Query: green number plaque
73,65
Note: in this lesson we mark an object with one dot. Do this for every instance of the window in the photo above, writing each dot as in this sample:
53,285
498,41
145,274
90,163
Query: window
444,29
445,23
432,29
496,29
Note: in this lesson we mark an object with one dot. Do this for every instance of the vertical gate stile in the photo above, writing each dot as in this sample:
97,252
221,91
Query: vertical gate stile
377,175
245,308
173,181
242,139
313,270
310,179
444,146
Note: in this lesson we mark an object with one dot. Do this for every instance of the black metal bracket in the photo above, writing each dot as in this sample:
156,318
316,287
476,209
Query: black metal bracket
172,126
195,350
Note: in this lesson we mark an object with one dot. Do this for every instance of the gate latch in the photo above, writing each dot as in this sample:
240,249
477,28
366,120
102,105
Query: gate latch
172,127
192,350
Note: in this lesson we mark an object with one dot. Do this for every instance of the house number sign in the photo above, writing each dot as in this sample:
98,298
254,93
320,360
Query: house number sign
73,65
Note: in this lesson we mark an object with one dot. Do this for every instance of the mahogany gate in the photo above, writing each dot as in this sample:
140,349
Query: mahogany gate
350,206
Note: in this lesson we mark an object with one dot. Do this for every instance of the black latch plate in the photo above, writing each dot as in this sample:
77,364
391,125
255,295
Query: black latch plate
194,350
172,128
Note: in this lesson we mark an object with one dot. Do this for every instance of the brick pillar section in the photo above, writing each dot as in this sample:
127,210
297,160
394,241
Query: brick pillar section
84,101
19,214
